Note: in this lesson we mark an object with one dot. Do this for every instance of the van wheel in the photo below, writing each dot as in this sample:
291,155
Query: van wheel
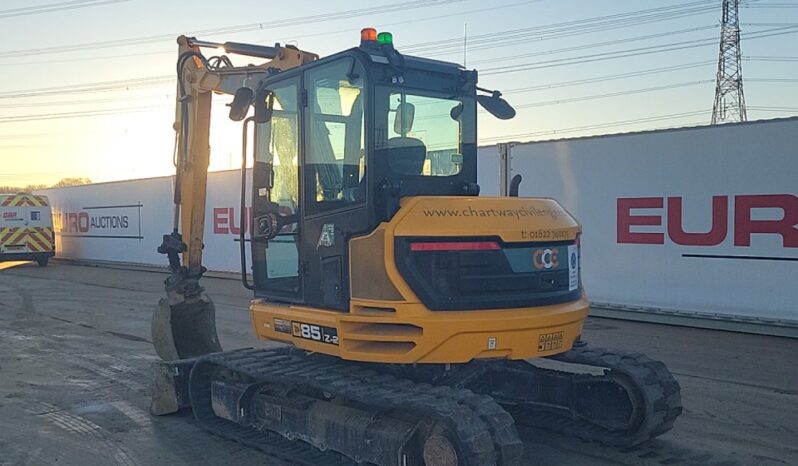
43,262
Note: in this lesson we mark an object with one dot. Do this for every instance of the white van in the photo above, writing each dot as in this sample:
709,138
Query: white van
26,228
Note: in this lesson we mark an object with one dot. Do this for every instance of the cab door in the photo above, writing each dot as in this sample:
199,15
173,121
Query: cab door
276,195
334,176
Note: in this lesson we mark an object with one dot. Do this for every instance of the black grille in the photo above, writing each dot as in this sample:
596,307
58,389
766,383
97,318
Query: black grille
504,277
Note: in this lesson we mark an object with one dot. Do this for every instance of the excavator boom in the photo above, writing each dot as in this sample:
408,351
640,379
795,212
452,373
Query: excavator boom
184,324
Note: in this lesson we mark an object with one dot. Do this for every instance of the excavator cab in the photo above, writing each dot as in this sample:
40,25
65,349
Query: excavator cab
349,136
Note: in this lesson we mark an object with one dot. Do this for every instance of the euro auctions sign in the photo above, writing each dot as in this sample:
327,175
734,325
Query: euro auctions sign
732,220
108,221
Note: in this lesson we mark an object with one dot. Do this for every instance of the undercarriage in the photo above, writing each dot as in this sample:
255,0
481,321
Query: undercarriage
314,409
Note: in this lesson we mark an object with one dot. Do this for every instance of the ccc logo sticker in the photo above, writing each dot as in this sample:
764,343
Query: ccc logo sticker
545,258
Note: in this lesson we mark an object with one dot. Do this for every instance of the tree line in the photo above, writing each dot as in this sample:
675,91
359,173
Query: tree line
11,189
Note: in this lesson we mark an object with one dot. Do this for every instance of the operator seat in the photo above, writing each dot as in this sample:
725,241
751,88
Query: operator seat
406,155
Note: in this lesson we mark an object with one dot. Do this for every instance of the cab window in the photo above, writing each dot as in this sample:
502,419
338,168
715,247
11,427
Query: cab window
424,135
335,162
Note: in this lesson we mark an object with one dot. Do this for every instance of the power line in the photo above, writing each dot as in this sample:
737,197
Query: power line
100,86
94,87
510,137
53,7
629,52
596,44
612,94
488,45
302,36
775,109
118,84
554,27
610,77
156,80
27,136
324,17
564,29
772,5
79,114
770,59
85,59
51,103
772,80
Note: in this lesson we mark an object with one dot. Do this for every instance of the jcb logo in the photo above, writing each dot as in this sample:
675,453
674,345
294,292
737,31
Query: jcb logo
545,258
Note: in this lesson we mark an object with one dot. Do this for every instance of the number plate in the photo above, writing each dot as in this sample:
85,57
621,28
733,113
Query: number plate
550,341
314,332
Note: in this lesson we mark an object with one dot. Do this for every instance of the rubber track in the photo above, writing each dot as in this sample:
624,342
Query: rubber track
659,391
485,432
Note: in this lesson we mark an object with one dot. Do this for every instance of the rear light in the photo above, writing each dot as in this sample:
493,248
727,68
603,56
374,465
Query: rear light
456,246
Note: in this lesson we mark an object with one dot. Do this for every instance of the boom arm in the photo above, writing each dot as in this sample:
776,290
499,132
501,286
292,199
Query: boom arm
197,79
184,323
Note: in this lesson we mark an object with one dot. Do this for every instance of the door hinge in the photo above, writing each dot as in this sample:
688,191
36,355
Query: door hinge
304,97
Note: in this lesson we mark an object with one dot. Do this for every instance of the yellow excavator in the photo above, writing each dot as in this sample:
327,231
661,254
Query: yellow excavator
422,322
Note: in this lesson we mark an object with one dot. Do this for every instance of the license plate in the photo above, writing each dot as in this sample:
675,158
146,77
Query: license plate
550,341
15,247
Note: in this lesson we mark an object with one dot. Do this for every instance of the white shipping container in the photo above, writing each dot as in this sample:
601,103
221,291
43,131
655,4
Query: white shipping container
693,221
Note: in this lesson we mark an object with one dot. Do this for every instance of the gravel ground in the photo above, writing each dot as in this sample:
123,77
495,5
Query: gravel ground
74,371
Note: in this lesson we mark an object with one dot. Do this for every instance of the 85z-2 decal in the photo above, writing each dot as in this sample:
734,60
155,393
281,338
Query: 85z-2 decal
315,332
307,331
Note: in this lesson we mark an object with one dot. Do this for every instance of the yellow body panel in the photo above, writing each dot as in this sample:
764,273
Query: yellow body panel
399,328
413,334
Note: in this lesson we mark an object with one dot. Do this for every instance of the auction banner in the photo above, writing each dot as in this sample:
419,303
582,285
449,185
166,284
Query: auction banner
696,219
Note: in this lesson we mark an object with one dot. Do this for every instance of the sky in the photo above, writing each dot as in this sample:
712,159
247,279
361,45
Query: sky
87,87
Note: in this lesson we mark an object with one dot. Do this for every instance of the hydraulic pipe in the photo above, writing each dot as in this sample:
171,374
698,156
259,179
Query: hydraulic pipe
250,50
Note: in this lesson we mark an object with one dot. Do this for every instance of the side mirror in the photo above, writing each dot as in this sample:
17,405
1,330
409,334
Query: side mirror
496,106
264,106
239,107
405,114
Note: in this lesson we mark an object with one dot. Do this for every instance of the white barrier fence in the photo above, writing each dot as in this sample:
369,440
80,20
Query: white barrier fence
696,221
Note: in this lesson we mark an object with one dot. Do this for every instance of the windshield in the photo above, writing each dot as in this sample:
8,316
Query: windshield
424,134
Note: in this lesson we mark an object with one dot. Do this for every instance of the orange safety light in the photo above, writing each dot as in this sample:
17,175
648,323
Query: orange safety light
368,35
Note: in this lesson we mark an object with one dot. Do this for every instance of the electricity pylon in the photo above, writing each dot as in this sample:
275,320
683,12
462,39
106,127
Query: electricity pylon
729,98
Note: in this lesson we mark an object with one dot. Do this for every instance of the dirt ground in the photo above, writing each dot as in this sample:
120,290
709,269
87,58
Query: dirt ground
74,373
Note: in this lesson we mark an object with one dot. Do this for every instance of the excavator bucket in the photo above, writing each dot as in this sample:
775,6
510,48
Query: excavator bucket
185,328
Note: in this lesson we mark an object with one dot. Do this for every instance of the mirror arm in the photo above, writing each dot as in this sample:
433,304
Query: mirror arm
493,93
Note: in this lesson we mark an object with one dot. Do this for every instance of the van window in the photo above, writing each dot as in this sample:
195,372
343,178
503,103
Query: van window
35,215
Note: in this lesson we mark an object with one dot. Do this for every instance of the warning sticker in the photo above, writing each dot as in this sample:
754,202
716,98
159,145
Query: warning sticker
573,268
